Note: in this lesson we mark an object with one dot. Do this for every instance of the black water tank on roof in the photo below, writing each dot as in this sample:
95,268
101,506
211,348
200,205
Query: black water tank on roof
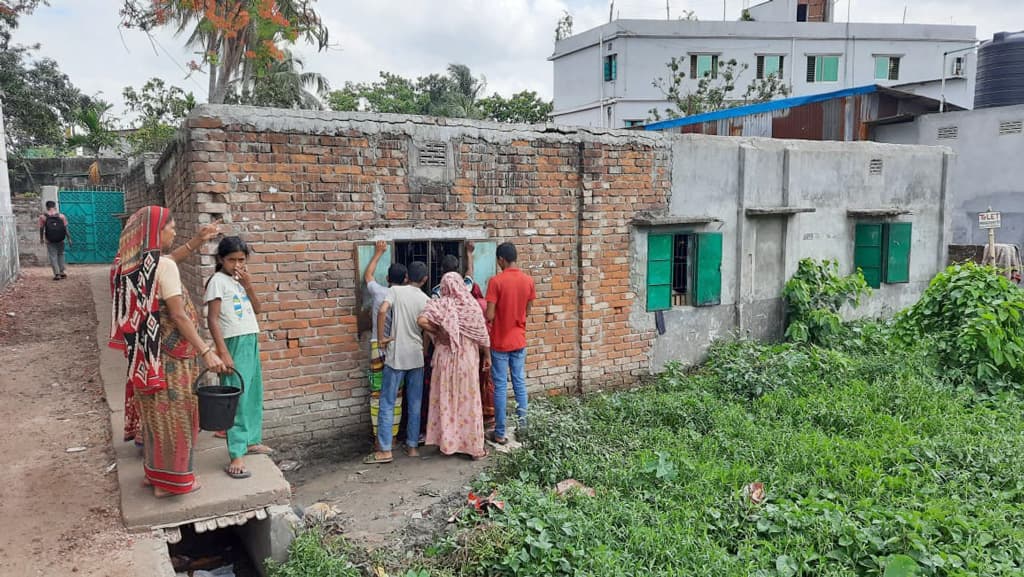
1000,77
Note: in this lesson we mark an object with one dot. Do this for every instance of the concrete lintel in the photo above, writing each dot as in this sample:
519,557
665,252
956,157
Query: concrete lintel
642,220
877,212
433,233
778,210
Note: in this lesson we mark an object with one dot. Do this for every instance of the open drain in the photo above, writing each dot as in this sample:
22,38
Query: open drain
217,553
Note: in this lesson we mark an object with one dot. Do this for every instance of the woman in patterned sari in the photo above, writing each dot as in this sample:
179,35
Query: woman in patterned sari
456,325
154,322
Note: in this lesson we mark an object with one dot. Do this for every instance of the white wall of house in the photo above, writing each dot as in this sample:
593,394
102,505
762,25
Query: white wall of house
989,146
643,49
722,177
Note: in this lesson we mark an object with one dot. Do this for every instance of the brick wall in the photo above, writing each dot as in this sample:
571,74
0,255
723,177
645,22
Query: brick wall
306,188
140,183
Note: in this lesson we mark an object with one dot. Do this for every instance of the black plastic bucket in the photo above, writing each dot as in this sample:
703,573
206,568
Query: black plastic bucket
217,403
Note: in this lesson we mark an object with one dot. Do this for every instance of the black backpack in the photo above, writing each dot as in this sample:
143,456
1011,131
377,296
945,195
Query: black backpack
55,230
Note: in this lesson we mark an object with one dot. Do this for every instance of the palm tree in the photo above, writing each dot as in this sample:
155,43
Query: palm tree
96,131
285,85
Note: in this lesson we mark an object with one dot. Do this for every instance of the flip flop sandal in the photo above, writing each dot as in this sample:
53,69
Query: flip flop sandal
480,457
373,460
496,439
221,434
245,474
265,450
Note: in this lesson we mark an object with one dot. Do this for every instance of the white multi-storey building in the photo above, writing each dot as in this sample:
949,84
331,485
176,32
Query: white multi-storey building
606,76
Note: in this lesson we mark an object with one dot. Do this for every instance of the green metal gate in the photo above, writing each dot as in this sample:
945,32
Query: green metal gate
92,224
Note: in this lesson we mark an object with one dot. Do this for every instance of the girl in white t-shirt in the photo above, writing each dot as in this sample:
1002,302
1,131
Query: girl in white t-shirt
232,306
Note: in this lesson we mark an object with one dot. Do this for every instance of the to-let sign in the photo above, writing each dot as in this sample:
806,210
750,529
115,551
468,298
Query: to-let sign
989,219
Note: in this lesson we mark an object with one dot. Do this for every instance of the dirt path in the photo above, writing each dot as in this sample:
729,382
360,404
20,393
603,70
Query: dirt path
59,510
399,506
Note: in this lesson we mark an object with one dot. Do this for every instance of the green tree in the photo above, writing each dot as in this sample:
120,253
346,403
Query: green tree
94,132
523,107
455,94
392,93
10,12
715,89
160,108
285,85
40,101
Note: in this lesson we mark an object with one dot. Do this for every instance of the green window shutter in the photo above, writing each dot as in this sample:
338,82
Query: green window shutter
659,272
607,69
704,65
364,254
708,274
867,252
772,65
897,252
615,67
830,69
484,260
881,67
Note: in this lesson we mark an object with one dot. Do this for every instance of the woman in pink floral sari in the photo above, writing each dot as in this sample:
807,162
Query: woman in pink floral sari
457,327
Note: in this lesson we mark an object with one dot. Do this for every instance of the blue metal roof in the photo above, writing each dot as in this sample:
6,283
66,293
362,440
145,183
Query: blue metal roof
760,107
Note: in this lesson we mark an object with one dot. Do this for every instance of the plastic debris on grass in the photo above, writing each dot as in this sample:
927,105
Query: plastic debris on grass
572,485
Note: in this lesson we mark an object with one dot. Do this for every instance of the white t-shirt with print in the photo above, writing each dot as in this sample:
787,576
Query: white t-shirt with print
237,316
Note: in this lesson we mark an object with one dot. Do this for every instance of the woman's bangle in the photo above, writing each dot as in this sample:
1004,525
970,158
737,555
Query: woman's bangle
207,351
188,245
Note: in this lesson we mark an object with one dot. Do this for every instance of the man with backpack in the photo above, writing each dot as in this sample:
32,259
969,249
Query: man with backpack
53,231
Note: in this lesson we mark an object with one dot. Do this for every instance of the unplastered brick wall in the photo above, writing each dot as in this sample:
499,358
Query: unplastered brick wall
306,188
140,183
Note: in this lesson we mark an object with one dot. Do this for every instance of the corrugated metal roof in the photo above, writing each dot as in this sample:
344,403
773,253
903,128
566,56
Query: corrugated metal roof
761,107
788,103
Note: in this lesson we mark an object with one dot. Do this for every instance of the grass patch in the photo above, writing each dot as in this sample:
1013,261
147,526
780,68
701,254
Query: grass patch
872,466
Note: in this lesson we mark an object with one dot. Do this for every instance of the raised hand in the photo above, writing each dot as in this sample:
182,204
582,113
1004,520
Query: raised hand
210,231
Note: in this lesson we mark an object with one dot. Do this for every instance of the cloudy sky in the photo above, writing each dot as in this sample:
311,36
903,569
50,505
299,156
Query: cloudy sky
505,40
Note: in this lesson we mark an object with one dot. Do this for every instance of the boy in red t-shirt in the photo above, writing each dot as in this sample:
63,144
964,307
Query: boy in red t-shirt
509,296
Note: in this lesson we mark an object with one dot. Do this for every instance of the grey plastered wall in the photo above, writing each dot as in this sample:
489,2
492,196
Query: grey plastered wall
8,226
31,252
723,177
986,171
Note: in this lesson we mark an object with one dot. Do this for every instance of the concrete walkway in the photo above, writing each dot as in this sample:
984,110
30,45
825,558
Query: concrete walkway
220,495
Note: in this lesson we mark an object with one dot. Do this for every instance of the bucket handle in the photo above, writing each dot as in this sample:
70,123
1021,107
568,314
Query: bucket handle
199,379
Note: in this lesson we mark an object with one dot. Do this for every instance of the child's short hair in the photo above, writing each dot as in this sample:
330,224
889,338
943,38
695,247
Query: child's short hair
450,263
507,251
417,271
397,273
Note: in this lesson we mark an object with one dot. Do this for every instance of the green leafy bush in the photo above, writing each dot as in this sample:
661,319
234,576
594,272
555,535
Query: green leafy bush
814,297
313,554
973,318
872,466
